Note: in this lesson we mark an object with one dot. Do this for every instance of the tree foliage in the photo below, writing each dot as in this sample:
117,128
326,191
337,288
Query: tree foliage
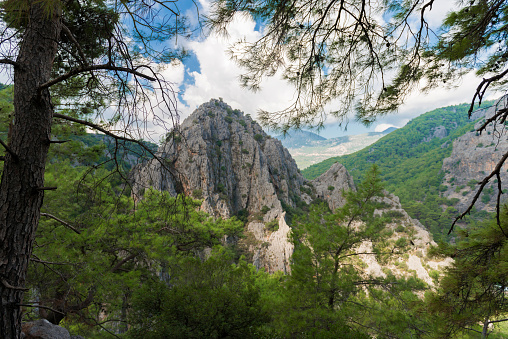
363,56
87,262
88,63
329,291
473,289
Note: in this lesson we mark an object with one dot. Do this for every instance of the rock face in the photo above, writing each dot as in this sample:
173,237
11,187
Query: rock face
224,158
473,157
329,185
43,329
414,260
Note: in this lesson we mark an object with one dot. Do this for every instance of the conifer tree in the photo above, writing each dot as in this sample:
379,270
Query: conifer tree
77,53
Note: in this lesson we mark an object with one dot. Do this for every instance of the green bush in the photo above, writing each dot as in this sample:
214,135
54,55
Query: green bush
221,188
265,209
258,137
272,226
197,194
245,151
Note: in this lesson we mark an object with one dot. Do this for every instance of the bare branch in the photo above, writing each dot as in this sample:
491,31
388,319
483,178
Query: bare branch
84,69
117,137
482,88
7,285
14,155
123,261
9,62
483,183
66,224
50,262
40,306
71,37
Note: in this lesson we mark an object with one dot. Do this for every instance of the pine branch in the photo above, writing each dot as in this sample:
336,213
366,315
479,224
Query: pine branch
66,224
9,62
84,69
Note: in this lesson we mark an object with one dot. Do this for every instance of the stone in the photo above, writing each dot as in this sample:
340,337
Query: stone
43,329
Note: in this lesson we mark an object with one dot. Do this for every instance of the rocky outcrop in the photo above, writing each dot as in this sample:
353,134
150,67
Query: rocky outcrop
474,156
439,132
43,329
411,260
330,185
223,157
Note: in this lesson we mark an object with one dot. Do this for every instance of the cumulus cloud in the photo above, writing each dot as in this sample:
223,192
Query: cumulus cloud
218,75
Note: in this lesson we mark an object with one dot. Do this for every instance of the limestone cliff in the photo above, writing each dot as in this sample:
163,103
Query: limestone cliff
224,158
474,156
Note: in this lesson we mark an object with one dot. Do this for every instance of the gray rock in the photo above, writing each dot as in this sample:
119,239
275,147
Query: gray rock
43,329
437,132
330,185
473,157
225,159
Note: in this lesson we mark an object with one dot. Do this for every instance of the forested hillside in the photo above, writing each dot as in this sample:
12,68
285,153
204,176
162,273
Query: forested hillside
410,160
106,265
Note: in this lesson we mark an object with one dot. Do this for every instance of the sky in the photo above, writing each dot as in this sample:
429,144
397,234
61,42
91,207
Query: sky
210,73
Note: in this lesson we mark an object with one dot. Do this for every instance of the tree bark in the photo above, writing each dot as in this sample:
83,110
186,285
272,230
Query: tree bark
23,174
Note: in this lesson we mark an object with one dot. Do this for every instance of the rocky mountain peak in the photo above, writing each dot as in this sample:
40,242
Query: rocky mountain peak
224,157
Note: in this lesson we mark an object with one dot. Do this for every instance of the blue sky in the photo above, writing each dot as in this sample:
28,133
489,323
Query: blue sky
209,73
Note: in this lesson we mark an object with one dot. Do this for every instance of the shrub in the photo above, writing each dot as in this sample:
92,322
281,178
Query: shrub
244,151
197,194
242,122
228,120
265,209
258,137
393,214
242,215
331,188
400,228
219,143
221,188
272,226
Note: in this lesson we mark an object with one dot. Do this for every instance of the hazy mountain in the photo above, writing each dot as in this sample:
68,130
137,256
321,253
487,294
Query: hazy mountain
300,138
314,151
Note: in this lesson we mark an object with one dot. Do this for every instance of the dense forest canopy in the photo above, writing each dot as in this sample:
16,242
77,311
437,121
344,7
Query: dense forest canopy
105,263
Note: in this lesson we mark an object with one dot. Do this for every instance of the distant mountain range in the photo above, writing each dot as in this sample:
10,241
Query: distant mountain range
309,148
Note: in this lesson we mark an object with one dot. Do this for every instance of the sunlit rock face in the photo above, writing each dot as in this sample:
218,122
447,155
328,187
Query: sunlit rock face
473,157
224,158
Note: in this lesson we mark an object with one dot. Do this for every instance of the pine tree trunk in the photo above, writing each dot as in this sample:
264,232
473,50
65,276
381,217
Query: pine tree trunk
23,174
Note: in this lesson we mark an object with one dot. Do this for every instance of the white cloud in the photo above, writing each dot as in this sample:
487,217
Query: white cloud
218,75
